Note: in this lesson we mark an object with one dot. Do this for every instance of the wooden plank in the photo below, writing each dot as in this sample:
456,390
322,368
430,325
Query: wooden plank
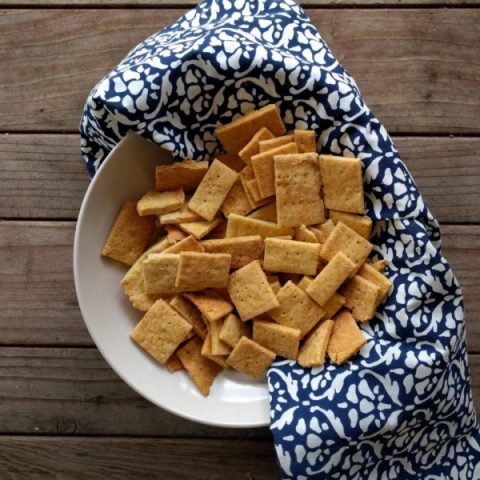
64,391
410,83
118,458
38,298
43,175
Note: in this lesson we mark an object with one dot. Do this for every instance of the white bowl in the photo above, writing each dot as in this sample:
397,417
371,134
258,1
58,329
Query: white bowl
127,173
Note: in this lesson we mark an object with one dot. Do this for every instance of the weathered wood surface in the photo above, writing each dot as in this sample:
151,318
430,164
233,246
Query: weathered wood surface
141,459
38,297
43,176
396,56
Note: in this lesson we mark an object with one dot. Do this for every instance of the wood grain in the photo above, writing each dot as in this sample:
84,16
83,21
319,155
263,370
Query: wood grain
140,459
38,297
398,58
43,175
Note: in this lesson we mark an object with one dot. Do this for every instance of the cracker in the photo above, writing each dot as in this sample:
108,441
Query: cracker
312,352
306,141
290,256
212,191
200,229
359,223
303,234
160,273
369,272
380,265
297,186
200,369
263,168
190,313
160,331
198,270
266,145
268,213
207,352
252,188
280,339
326,283
179,216
250,291
333,305
296,309
236,201
327,228
344,239
218,347
212,305
342,183
174,234
129,235
305,282
251,148
242,249
231,161
156,203
173,363
245,176
239,226
235,135
232,330
187,244
346,339
186,175
250,358
360,297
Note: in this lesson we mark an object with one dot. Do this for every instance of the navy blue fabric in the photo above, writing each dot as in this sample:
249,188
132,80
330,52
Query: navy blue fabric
402,408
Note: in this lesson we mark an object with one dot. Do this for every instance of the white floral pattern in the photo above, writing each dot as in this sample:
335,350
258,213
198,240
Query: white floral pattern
402,408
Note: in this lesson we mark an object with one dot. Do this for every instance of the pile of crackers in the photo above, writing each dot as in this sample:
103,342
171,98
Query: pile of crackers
263,252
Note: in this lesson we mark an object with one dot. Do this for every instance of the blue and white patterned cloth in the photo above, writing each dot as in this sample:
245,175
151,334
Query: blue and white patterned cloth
402,409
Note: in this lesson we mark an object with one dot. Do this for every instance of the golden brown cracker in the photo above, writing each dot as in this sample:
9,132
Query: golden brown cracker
218,347
304,234
252,188
200,229
306,141
190,313
369,272
266,145
245,176
251,148
233,329
313,349
239,226
174,234
242,249
333,305
186,175
360,297
129,235
359,223
160,273
305,282
380,265
207,352
250,291
173,363
212,305
236,201
179,216
280,339
157,203
187,244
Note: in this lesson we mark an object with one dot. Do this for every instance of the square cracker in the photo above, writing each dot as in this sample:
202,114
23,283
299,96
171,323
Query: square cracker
201,228
186,175
200,369
190,313
342,183
156,203
218,347
231,161
251,148
267,212
187,244
242,249
233,329
129,235
312,352
344,239
207,352
179,216
346,339
370,273
212,191
160,331
235,135
297,187
160,273
266,145
262,165
237,201
198,270
250,358
333,305
359,223
306,141
250,291
212,306
290,256
280,339
360,297
296,309
239,226
327,282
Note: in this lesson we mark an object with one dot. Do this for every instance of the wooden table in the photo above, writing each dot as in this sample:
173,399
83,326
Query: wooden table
63,412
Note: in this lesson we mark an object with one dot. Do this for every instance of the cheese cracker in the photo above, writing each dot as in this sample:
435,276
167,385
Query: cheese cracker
199,270
359,223
242,249
156,203
239,226
305,140
251,148
282,340
312,352
266,145
233,329
186,175
190,313
212,305
360,297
